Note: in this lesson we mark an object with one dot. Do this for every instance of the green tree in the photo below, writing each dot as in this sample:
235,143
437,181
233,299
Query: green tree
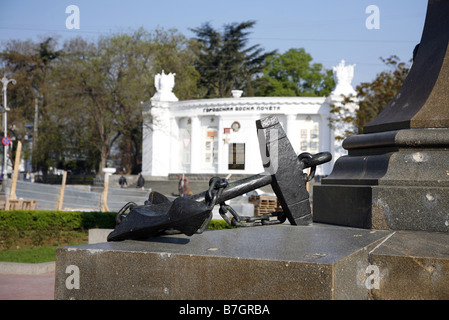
32,65
292,74
376,95
91,93
108,82
224,61
100,80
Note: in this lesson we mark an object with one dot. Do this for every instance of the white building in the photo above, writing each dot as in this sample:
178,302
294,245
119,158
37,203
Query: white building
219,136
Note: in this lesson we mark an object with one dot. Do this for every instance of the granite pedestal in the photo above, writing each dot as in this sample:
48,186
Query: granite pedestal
413,266
395,180
278,262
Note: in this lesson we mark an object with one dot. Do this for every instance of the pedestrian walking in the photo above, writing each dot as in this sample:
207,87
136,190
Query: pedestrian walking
180,185
186,189
140,182
122,181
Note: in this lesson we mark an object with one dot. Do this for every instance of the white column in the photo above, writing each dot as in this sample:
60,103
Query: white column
174,147
156,150
222,148
195,145
157,136
327,143
291,131
147,145
343,75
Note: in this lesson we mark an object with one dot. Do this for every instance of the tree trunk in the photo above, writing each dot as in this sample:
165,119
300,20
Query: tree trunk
104,153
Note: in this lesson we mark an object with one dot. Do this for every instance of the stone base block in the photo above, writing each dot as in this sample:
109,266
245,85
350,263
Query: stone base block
383,207
98,235
280,262
412,266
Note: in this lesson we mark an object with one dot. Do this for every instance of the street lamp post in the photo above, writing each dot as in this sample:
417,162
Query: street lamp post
5,82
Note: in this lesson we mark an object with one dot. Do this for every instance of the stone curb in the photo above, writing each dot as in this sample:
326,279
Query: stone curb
26,268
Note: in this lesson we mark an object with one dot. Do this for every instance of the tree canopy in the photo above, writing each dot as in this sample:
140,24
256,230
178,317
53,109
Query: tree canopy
293,74
224,61
90,94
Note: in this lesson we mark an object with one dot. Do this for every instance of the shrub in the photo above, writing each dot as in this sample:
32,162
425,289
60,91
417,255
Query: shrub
23,220
39,227
26,220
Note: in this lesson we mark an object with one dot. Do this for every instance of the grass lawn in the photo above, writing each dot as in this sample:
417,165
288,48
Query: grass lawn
39,246
26,249
29,255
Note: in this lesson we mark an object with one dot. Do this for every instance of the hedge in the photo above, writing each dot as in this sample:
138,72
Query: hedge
23,220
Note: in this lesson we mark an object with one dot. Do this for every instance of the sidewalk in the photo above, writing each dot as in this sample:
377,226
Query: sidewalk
27,287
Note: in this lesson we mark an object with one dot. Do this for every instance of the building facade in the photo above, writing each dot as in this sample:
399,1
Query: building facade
219,136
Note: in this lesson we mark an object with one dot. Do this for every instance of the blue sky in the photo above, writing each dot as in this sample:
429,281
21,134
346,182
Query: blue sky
330,30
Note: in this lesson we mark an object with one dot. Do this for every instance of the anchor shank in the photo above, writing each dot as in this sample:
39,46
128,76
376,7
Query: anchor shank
238,188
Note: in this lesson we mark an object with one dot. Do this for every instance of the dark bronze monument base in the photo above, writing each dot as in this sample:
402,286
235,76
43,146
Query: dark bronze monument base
396,180
280,262
396,174
383,207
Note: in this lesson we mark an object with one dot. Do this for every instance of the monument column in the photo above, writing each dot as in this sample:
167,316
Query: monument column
343,75
396,174
156,130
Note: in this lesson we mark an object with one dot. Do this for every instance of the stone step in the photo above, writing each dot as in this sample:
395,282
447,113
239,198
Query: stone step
412,266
